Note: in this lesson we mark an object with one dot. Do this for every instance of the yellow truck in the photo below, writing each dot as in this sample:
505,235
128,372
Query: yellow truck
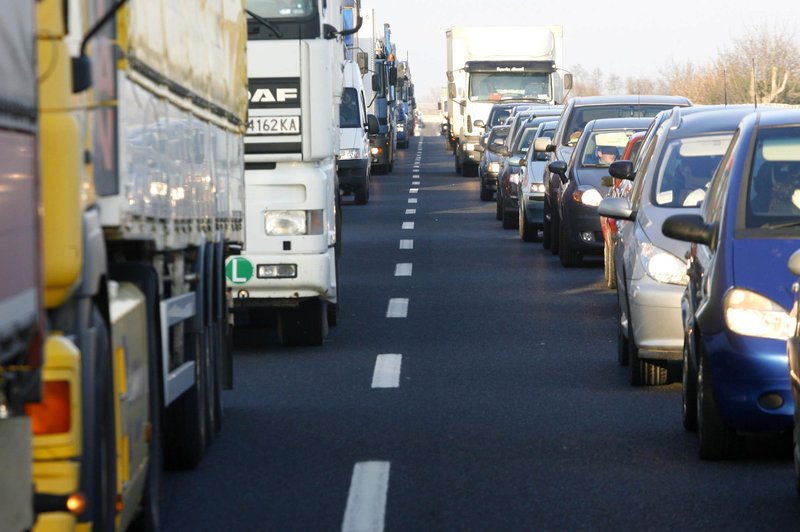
141,110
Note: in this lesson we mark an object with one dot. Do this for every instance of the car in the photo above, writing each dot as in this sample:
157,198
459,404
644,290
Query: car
499,113
579,189
489,165
530,191
508,177
736,303
793,353
648,267
578,112
618,188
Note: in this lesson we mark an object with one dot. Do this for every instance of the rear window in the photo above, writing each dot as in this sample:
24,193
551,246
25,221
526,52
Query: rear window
773,191
604,147
686,168
583,115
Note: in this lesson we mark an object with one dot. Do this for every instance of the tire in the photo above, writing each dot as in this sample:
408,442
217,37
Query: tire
546,236
509,219
486,194
688,391
716,441
527,231
608,266
554,233
498,213
796,455
362,194
379,169
622,341
306,325
569,257
642,372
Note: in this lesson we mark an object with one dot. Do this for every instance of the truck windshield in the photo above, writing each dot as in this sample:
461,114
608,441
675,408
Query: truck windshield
282,20
281,9
499,86
348,109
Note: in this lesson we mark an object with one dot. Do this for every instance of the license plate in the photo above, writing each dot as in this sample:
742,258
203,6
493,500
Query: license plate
273,125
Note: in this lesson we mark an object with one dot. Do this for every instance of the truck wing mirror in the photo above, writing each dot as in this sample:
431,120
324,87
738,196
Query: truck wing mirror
81,73
376,82
393,75
567,81
373,127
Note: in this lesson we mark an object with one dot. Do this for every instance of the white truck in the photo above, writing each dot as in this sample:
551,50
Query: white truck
287,272
488,65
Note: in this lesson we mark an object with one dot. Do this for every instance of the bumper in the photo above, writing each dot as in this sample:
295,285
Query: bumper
353,173
655,313
315,279
582,224
744,370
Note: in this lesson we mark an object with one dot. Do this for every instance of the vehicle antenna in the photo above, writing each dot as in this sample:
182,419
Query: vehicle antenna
755,94
725,85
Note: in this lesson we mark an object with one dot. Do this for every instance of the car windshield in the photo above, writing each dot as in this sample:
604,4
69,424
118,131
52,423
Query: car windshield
499,116
583,115
686,168
604,147
773,192
524,140
498,86
272,9
348,109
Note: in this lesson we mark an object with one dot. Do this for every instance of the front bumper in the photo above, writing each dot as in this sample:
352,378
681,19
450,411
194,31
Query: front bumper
655,315
582,224
745,369
315,279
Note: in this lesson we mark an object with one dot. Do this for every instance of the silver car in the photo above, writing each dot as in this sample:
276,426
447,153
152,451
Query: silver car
531,184
650,268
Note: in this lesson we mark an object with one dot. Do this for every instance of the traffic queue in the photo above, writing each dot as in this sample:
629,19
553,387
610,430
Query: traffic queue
694,210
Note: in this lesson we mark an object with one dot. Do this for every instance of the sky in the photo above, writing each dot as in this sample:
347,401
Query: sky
622,37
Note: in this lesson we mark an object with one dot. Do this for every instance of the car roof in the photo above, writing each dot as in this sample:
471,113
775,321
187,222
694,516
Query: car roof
775,116
722,119
619,123
630,99
539,120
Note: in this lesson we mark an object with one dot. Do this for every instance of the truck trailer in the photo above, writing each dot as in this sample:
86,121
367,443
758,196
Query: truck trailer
488,65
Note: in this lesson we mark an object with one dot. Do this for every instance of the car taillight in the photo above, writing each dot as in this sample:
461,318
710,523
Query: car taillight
52,414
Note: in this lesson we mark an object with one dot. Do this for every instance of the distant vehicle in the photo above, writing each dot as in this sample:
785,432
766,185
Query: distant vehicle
577,113
580,189
353,163
530,192
650,268
489,165
739,292
508,177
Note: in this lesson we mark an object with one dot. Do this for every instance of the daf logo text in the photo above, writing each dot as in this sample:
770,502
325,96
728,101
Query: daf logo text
278,95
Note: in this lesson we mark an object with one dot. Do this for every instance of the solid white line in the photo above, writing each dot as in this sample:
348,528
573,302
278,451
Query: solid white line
408,225
406,244
398,308
403,269
413,190
412,200
411,211
387,371
366,501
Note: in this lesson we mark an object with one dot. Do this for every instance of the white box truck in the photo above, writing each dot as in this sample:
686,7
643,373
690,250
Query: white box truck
488,65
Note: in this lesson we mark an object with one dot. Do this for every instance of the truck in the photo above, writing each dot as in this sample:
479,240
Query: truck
488,65
406,105
287,273
141,111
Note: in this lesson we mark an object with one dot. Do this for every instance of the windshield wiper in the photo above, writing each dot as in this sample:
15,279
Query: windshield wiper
266,23
784,225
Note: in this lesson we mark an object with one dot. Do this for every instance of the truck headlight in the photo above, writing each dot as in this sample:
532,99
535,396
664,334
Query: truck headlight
276,271
349,154
493,167
293,223
662,266
751,314
401,127
587,195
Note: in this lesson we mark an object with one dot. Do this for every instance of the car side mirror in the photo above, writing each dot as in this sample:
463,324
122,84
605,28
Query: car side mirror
622,170
559,168
523,162
373,126
479,123
514,161
690,228
541,144
794,263
617,208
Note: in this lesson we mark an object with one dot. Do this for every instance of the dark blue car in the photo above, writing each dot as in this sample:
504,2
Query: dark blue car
740,291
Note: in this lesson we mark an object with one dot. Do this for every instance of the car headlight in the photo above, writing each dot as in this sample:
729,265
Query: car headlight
401,127
293,223
587,195
514,177
349,154
751,314
376,150
662,266
537,187
494,167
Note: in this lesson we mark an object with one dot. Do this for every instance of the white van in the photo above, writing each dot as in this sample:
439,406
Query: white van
354,160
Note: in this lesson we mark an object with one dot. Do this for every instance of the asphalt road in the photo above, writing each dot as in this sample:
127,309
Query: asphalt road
509,410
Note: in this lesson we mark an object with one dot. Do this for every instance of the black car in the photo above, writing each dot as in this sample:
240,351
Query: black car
508,177
489,165
578,190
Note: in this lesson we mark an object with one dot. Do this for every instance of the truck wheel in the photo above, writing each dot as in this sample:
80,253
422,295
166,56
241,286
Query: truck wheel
486,194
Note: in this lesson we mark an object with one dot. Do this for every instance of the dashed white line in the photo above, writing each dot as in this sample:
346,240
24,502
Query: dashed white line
408,225
403,269
406,244
415,183
366,501
412,200
387,371
411,211
398,308
413,190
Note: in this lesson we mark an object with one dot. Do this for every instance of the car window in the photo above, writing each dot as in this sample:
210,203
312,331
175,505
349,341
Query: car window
718,187
646,158
686,168
773,187
348,109
604,147
524,139
583,115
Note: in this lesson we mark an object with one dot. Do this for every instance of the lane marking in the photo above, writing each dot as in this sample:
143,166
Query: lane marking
403,269
411,211
398,308
406,244
387,371
366,500
408,225
412,200
413,190
415,183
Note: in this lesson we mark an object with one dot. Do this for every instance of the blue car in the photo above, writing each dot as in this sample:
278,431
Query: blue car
735,308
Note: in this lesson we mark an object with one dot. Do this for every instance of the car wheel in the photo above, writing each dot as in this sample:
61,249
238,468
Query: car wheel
715,439
486,194
498,214
643,372
569,257
554,223
546,227
509,218
527,231
622,342
608,263
688,391
796,453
